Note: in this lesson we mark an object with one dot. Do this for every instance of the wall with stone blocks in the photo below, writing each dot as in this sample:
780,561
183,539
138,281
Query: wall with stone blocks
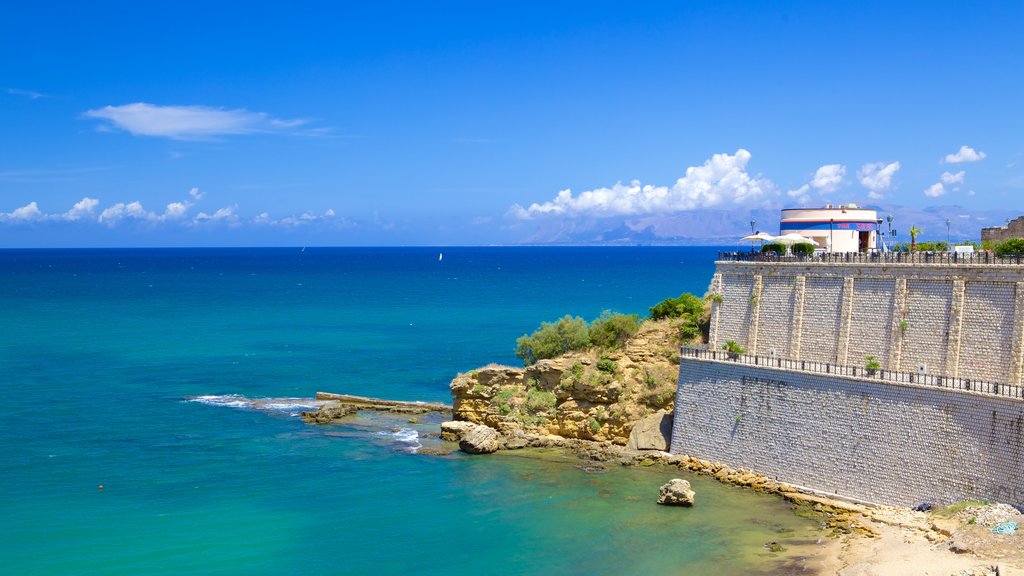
956,320
863,439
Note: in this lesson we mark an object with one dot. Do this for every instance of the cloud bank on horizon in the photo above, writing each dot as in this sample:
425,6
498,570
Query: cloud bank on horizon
722,181
178,213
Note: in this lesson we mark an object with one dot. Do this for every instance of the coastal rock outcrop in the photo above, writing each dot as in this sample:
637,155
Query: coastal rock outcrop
454,431
480,440
676,492
598,395
328,413
652,432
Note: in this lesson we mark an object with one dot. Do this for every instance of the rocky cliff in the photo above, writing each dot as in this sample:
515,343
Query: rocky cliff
595,395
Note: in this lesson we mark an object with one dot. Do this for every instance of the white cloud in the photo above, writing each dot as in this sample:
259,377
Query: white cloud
935,190
30,94
828,178
304,219
721,180
196,194
175,213
964,154
187,122
801,194
82,210
958,178
226,214
27,213
877,177
121,211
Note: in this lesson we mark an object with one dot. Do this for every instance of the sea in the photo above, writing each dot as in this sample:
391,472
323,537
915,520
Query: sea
151,402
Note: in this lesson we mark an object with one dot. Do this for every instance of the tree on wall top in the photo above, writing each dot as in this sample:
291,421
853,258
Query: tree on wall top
914,231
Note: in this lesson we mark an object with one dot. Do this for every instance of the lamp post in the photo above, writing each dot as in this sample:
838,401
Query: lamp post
878,235
831,245
948,222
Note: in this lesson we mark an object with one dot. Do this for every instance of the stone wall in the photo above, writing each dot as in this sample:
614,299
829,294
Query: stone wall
857,438
996,234
955,319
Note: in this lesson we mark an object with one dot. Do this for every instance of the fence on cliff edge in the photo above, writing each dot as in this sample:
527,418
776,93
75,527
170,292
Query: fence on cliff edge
881,375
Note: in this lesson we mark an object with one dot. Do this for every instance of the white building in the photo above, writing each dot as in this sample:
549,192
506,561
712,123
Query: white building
841,228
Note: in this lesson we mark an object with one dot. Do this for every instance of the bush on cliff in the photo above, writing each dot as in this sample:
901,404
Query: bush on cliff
685,305
688,308
1011,247
612,330
553,339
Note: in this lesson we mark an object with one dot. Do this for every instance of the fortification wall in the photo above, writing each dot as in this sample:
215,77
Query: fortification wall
858,438
957,320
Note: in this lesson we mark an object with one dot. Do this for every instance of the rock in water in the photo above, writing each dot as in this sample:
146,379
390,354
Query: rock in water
455,430
676,493
652,432
480,440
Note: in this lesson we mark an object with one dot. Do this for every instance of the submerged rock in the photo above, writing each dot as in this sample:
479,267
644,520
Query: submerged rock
480,440
676,493
652,432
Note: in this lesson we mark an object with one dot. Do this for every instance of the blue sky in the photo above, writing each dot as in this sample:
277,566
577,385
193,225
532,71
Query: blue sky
181,123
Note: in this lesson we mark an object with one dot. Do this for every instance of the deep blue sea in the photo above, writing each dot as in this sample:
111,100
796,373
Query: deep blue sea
173,378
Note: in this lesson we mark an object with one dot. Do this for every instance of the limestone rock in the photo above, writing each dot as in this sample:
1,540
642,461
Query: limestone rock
480,440
652,432
455,430
328,413
676,493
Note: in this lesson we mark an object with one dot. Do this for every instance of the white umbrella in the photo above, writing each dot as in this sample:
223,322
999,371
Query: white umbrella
793,238
760,236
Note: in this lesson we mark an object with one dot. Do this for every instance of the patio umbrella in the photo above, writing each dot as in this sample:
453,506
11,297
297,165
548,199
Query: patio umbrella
761,237
793,238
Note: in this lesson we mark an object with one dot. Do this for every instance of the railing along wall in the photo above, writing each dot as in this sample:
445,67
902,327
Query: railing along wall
888,376
976,258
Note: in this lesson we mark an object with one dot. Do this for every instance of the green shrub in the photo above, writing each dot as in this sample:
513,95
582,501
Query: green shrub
871,364
611,330
605,364
553,339
773,247
802,249
733,347
650,380
540,402
932,247
1011,247
685,305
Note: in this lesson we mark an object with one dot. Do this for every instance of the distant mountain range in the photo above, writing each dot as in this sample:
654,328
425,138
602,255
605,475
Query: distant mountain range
726,227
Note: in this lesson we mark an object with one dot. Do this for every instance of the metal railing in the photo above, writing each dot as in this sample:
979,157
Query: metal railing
944,258
882,375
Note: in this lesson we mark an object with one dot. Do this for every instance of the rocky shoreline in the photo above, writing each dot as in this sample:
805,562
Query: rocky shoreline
614,407
862,539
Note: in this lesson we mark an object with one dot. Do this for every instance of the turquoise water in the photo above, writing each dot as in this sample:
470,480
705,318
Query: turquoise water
104,352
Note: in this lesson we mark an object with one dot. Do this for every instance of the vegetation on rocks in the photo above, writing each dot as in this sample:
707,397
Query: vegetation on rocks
609,331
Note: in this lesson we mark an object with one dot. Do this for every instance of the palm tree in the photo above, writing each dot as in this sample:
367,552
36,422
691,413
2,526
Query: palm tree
914,231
